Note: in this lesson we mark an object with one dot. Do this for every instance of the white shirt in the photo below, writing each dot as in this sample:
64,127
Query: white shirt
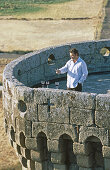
76,72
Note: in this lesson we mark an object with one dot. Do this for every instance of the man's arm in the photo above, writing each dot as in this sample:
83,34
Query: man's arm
62,70
84,73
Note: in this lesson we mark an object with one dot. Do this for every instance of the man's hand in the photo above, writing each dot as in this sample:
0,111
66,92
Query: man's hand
58,71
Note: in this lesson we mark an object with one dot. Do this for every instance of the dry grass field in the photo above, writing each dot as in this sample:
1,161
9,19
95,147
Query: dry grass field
36,34
67,9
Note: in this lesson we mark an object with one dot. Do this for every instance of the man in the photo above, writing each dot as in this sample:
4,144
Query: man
76,71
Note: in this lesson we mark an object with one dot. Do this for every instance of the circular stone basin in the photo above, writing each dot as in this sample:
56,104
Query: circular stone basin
95,83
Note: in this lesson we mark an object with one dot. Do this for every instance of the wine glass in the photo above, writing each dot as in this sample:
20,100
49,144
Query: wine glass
57,85
47,83
42,83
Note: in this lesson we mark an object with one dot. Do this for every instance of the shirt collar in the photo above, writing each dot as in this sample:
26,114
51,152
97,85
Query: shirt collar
78,60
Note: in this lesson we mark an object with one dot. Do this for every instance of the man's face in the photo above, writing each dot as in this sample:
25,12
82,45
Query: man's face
73,56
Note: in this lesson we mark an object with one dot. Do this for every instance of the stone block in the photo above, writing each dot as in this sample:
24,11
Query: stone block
25,94
40,97
31,143
107,164
100,133
59,167
55,130
103,102
81,149
102,118
35,156
57,158
53,145
106,151
7,102
38,127
31,112
85,168
43,114
73,167
85,161
38,165
24,126
99,168
81,116
79,100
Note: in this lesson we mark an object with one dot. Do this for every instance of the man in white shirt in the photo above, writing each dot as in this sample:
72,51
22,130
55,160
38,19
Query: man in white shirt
76,70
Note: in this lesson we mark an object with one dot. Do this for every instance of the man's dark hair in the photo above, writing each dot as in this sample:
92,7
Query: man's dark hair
74,51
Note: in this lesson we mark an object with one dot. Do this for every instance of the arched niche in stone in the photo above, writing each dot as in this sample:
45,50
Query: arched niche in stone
24,162
22,139
94,150
12,133
42,149
66,150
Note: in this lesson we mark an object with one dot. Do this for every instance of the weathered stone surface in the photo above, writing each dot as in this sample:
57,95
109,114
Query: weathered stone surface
81,149
106,151
38,127
57,167
57,158
35,156
25,126
31,143
85,161
100,133
53,145
79,100
102,118
81,117
38,165
107,163
85,168
103,102
54,130
73,167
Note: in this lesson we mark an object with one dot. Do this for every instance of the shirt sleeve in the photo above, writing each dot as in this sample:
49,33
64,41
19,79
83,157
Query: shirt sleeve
64,69
84,73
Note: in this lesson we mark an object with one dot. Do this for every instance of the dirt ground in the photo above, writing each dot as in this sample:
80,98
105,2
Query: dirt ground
8,158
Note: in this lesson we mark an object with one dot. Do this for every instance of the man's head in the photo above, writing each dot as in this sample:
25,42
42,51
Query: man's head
74,54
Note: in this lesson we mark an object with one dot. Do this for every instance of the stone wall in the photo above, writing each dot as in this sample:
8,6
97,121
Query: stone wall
53,129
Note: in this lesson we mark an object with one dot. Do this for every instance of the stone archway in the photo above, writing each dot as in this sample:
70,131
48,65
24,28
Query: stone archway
44,155
67,155
94,150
